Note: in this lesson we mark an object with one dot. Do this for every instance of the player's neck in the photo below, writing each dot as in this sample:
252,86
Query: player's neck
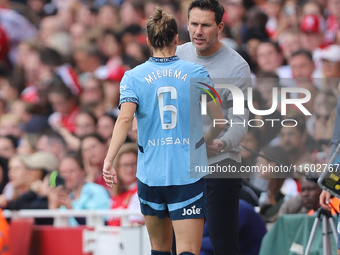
163,53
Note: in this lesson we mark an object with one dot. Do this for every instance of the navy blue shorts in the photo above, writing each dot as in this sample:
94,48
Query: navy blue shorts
176,202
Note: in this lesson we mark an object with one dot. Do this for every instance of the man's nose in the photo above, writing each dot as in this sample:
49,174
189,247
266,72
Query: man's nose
199,30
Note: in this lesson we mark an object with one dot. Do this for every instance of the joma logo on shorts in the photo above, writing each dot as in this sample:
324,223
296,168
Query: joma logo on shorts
192,210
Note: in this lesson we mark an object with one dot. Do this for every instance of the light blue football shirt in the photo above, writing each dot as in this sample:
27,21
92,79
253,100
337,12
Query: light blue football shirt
170,129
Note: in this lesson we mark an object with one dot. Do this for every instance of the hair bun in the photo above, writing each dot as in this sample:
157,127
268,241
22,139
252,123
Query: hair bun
157,14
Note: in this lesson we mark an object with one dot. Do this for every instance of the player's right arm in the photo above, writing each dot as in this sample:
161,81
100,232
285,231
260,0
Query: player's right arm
128,104
122,126
324,199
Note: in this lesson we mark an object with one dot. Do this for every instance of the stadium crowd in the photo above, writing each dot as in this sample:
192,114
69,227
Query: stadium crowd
61,62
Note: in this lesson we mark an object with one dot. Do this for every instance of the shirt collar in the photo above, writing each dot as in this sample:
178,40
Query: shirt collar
164,60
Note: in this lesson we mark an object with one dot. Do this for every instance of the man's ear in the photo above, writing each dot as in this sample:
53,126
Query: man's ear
220,28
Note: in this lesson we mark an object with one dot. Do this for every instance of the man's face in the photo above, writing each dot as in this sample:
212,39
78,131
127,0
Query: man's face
267,57
330,69
310,193
311,41
301,66
291,139
203,30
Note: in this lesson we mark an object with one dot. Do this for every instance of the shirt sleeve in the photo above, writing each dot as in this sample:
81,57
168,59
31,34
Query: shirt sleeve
127,91
207,85
236,133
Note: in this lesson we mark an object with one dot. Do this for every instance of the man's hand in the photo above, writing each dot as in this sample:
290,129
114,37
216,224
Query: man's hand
109,174
214,147
325,199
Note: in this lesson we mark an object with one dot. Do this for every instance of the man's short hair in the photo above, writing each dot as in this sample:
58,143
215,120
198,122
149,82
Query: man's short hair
274,44
210,5
301,122
50,57
303,52
53,136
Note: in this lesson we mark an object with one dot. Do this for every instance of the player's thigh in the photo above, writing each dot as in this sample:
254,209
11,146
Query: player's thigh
188,234
160,232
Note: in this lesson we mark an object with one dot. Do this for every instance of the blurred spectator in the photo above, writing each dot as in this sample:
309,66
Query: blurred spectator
332,20
235,11
9,125
8,146
279,187
39,165
105,126
308,85
292,139
61,42
125,196
330,59
108,17
251,141
77,33
4,45
18,184
53,142
3,107
17,28
85,124
251,230
77,194
131,13
266,81
312,28
65,105
3,174
111,96
92,91
137,51
268,56
321,115
306,201
87,58
312,8
28,143
302,65
290,41
12,86
52,63
272,9
288,19
110,47
86,16
93,148
48,27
